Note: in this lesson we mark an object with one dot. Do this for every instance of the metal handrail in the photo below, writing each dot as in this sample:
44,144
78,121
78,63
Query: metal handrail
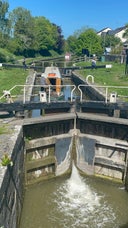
96,87
105,94
26,90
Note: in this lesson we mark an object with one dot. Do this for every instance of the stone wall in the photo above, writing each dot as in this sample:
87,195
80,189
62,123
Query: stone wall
90,91
11,191
12,177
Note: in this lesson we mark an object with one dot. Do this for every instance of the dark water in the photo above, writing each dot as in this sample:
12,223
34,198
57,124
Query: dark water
76,202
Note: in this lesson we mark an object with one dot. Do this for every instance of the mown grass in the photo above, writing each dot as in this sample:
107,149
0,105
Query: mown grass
109,77
102,76
114,76
12,77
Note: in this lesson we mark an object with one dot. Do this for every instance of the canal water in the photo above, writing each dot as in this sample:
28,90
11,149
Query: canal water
75,202
66,95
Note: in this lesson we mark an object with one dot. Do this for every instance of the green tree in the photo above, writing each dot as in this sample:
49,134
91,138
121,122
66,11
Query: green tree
22,31
3,19
46,35
4,23
71,44
87,39
32,35
59,39
91,41
108,40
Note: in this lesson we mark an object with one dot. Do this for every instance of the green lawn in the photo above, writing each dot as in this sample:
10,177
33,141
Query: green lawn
114,76
12,77
109,77
102,76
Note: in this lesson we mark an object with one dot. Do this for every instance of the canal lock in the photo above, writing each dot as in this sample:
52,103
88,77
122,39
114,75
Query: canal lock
41,140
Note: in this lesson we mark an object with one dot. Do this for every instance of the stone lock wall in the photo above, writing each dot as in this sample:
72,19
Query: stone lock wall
11,191
99,150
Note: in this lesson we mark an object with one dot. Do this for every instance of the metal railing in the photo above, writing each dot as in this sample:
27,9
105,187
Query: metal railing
105,91
27,92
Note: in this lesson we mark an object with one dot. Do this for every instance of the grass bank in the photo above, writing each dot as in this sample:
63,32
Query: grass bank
102,76
108,77
12,77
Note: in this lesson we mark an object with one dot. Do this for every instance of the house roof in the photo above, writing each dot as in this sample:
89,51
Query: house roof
114,32
104,30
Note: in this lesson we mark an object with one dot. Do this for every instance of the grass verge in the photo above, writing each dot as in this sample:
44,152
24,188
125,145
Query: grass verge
109,77
12,77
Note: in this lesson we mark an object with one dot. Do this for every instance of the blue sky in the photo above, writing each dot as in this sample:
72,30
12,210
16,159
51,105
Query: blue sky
72,15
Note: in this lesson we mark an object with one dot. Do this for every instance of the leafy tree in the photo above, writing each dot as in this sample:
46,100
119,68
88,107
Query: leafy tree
46,35
88,39
25,35
91,41
22,31
3,20
31,35
4,23
71,44
59,39
110,41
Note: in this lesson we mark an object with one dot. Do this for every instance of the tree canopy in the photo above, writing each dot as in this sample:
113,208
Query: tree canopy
88,39
25,35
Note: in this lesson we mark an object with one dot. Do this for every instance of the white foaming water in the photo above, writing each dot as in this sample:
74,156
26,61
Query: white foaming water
80,207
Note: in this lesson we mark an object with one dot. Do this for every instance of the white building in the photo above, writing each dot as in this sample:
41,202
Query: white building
119,32
105,30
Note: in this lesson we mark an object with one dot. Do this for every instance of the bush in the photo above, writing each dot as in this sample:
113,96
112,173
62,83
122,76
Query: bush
6,56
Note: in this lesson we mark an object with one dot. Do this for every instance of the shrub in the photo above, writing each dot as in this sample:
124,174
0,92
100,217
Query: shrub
6,56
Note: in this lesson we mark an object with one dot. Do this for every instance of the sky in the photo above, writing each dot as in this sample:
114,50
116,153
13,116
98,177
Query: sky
74,15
